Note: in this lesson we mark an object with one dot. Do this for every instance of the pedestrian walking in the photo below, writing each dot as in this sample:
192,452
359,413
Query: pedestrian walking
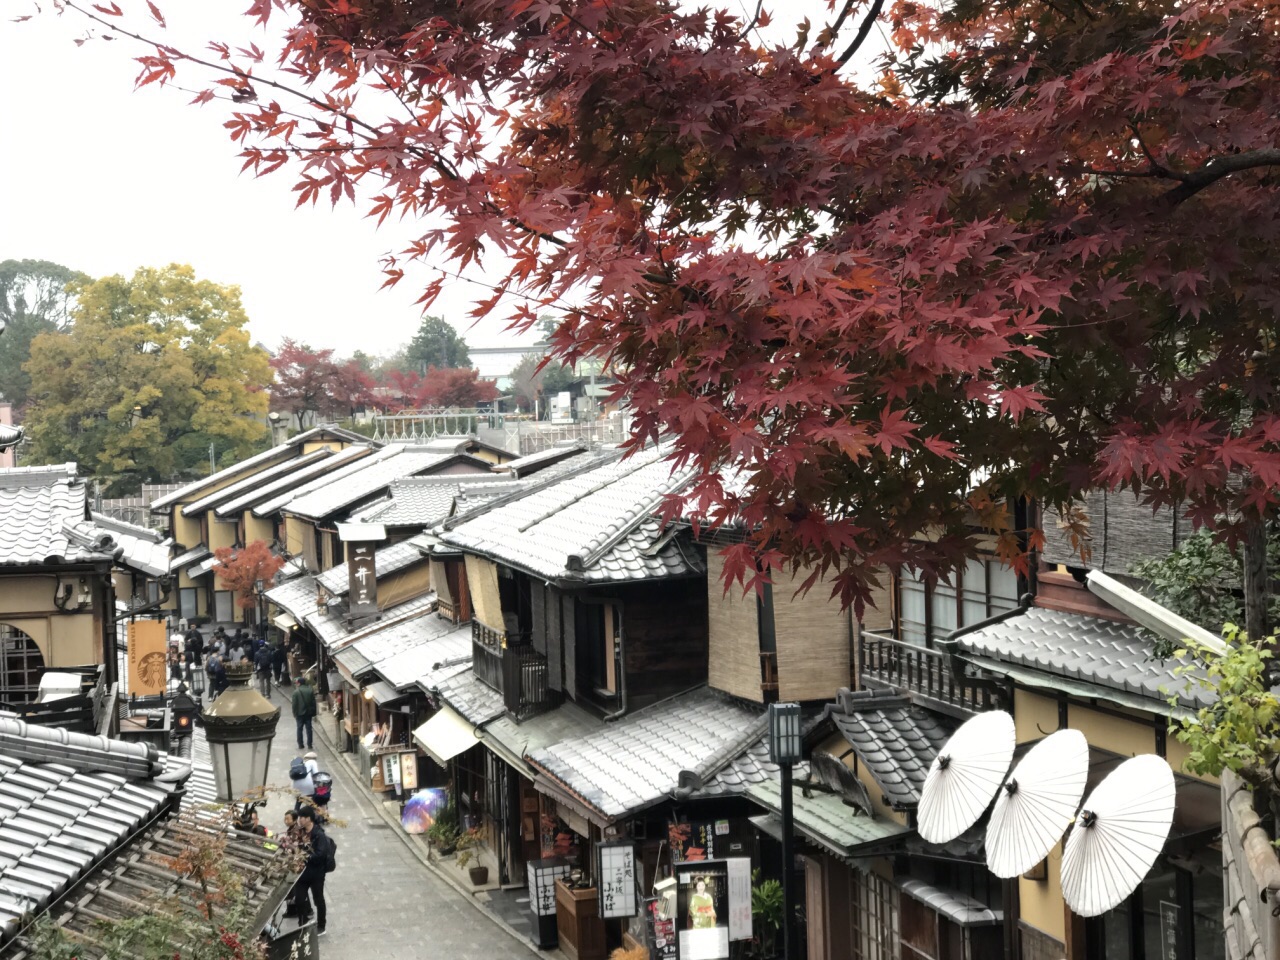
279,660
304,710
320,861
217,674
262,664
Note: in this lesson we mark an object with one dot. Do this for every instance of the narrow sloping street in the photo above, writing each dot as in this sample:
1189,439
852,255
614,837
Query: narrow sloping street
383,902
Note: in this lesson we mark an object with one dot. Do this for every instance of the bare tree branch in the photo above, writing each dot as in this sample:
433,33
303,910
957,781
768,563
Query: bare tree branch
863,30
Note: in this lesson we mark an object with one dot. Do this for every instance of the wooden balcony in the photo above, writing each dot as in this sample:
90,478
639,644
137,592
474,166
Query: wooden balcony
922,672
448,609
511,665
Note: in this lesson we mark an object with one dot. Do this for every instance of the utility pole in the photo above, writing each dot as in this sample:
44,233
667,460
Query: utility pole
213,468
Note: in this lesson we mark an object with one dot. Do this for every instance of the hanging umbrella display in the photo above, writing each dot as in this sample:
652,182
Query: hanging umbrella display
965,775
1035,805
1119,833
421,809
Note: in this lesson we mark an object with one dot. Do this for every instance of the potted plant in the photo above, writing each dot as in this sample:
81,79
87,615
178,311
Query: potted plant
468,846
443,833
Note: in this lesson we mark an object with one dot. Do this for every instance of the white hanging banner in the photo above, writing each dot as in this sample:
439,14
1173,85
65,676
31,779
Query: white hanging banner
616,879
739,898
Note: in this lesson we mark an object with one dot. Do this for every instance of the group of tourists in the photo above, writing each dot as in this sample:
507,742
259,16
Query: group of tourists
191,651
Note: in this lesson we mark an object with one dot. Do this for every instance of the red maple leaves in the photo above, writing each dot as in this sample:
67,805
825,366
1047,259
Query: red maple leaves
1038,256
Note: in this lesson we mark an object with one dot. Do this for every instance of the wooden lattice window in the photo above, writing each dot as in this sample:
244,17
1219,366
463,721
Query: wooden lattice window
874,918
21,664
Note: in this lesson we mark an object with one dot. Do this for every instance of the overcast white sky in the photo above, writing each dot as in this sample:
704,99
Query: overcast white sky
103,179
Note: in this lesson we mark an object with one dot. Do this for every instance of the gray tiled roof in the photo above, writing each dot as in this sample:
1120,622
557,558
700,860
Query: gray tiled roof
141,548
387,560
255,481
282,450
297,597
514,740
435,658
41,509
188,557
286,486
894,739
409,634
426,501
597,525
750,767
1074,647
288,492
60,815
473,699
634,763
370,477
827,820
331,627
533,462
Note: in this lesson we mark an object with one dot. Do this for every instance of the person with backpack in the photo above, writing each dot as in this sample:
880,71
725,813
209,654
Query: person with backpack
321,861
217,674
300,772
262,664
304,710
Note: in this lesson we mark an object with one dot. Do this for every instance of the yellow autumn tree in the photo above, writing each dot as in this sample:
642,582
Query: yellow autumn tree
153,370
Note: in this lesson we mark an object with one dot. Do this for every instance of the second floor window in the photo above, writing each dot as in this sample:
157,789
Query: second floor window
982,589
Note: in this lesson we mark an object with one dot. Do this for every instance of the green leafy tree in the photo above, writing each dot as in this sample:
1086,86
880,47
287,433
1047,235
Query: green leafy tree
153,370
436,344
33,300
1201,580
528,382
1241,730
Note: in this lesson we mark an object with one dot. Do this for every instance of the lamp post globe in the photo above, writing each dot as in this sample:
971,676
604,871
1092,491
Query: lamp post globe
239,726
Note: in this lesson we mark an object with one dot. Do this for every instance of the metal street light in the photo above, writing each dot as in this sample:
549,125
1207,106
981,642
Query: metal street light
786,748
240,725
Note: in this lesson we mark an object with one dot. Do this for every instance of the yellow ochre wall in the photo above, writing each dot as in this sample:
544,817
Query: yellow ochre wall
65,640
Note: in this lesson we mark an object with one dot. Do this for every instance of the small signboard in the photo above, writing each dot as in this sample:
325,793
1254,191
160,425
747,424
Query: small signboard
362,578
148,666
616,878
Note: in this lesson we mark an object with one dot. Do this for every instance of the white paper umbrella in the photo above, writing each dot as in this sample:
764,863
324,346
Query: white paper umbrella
1036,803
965,775
1118,835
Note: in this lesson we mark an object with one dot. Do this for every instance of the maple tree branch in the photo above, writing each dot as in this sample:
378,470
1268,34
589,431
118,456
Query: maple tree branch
748,27
1220,167
863,30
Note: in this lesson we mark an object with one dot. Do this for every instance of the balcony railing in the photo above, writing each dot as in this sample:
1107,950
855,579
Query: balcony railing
447,608
510,665
920,670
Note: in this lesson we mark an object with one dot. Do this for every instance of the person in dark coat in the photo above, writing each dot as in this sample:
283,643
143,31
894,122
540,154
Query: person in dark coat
194,646
217,674
316,842
279,662
262,663
304,711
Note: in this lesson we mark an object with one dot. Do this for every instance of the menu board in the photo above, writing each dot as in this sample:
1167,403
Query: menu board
616,879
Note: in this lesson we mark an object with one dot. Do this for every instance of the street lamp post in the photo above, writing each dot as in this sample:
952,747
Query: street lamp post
240,725
786,749
260,587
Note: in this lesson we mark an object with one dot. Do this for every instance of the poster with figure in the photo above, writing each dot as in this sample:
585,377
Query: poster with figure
702,910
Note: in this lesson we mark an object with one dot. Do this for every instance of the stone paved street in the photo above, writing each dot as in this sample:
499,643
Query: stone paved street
384,902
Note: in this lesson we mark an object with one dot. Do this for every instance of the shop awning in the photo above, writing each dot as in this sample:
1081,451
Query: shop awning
384,693
445,735
284,621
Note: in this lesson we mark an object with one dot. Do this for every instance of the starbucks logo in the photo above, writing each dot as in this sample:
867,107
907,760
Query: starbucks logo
151,669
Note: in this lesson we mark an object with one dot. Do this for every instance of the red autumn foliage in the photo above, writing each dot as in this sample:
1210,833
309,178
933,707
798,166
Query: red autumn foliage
1036,257
240,569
